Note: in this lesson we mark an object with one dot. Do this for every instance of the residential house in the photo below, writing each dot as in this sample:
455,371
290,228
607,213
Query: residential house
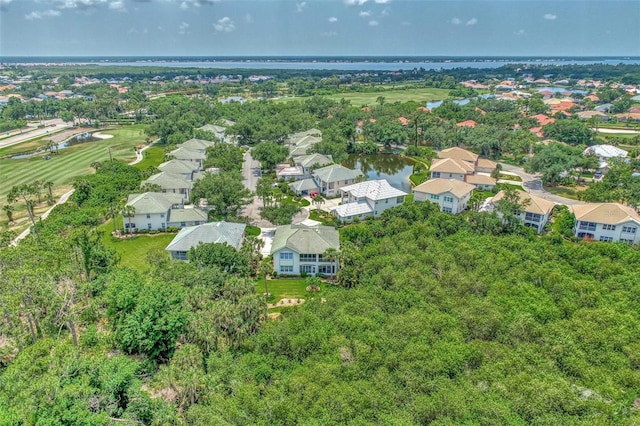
484,165
536,210
605,153
452,195
449,168
467,123
290,173
312,161
184,168
189,155
199,145
607,222
331,179
220,132
301,143
367,199
481,182
300,249
305,187
480,165
171,183
151,210
180,218
214,232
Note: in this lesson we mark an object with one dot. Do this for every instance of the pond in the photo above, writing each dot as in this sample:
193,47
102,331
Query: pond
394,168
436,104
561,90
78,139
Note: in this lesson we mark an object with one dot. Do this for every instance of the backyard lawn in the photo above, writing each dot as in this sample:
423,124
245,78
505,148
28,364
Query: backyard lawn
290,288
152,157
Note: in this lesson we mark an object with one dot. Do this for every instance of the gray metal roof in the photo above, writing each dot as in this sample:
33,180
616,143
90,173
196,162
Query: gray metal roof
336,172
305,239
168,181
153,202
314,160
213,232
197,144
181,167
187,215
303,185
187,154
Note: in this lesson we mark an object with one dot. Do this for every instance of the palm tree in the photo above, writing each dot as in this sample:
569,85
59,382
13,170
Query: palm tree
37,186
49,185
129,212
113,211
265,269
318,201
331,255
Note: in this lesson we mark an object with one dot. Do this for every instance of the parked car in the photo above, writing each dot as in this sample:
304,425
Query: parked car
597,175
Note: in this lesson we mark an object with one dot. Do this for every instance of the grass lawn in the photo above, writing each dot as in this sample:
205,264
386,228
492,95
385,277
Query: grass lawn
153,157
563,191
390,96
133,251
23,147
72,162
289,288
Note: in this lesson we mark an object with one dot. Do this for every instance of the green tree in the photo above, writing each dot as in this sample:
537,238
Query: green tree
129,212
269,154
224,156
224,192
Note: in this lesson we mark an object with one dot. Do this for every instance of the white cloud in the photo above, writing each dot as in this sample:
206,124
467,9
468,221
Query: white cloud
519,32
225,24
160,29
300,6
329,34
78,4
550,16
183,28
472,21
456,21
40,15
186,4
333,19
373,23
383,1
117,5
248,18
365,13
385,12
355,2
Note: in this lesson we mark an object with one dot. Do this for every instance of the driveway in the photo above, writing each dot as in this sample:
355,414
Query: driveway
533,184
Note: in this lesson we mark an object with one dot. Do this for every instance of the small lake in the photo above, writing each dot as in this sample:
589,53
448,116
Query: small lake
560,90
76,140
436,104
394,168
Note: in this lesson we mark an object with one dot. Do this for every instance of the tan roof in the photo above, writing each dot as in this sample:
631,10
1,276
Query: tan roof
487,164
458,154
608,213
535,205
449,165
440,186
480,180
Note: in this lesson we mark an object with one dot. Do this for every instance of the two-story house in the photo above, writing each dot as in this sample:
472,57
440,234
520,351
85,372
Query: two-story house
452,195
186,169
156,210
182,153
331,179
535,210
300,249
171,184
213,232
607,222
367,199
200,145
449,168
312,161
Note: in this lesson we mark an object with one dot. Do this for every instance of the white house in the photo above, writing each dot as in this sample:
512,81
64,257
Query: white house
331,179
452,195
536,210
307,162
605,153
156,210
607,222
170,183
189,155
299,248
365,199
213,232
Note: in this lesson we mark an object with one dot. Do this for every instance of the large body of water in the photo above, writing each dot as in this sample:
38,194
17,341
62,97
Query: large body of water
394,168
339,64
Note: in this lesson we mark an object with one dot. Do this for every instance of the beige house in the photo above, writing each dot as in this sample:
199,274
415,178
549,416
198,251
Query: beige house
607,222
481,182
452,195
480,165
536,210
449,168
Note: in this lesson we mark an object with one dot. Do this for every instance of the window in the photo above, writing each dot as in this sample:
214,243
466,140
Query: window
307,257
399,200
148,226
447,210
197,222
162,216
326,269
309,269
148,216
435,174
607,227
164,225
129,225
629,229
624,240
183,223
286,269
607,239
532,217
448,199
180,255
434,196
386,201
286,256
588,226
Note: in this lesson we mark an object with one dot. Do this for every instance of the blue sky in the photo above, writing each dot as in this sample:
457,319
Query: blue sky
319,27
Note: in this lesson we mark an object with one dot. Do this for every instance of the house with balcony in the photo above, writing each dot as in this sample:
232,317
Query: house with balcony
367,199
158,211
186,169
214,232
300,249
535,210
171,184
312,161
331,179
452,195
611,222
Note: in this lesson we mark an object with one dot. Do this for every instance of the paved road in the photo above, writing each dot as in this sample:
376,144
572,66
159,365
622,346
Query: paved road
35,132
533,184
250,172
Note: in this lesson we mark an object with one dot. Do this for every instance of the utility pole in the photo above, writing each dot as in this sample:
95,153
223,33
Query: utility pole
111,158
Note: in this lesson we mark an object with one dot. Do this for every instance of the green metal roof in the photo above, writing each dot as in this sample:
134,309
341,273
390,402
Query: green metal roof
305,239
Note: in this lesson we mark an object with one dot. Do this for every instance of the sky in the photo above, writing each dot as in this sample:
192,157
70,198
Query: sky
319,27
